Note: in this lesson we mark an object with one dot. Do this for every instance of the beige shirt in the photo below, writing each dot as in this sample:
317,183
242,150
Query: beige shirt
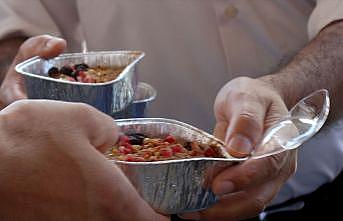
193,48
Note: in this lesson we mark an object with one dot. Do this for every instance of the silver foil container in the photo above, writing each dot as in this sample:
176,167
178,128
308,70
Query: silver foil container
144,95
109,97
174,186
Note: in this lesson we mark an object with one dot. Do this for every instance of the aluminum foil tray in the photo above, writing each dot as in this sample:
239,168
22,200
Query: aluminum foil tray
174,186
109,97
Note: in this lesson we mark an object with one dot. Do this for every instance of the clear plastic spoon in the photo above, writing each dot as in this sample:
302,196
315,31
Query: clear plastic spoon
302,122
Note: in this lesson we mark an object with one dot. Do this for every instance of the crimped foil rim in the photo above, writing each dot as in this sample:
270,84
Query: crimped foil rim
19,67
133,121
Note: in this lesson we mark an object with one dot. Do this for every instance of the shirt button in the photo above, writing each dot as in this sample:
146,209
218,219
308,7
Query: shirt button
231,11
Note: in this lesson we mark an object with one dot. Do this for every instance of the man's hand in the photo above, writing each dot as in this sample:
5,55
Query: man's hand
244,109
53,167
45,46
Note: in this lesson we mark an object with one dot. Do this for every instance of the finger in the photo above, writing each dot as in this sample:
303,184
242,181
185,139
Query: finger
44,46
253,173
73,119
245,130
240,205
99,128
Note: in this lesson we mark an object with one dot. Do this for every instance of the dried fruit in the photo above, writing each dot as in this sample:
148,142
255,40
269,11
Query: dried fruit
54,72
66,70
136,139
138,147
170,139
83,73
81,67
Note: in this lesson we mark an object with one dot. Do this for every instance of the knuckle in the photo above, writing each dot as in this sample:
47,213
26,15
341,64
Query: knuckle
242,80
83,110
247,116
16,116
241,94
23,109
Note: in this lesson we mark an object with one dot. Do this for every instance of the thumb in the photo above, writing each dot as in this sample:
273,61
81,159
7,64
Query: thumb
44,46
245,127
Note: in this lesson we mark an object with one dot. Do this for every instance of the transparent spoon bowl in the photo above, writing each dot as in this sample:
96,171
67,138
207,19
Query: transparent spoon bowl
302,122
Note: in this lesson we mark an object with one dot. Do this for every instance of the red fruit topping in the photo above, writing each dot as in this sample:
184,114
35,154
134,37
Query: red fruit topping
139,147
209,153
170,139
133,158
124,139
81,74
166,152
126,149
177,148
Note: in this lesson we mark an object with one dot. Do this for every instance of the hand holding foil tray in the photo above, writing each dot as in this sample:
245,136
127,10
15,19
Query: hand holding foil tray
178,186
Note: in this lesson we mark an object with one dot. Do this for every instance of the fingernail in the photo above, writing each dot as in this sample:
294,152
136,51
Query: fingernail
224,187
239,146
193,216
52,42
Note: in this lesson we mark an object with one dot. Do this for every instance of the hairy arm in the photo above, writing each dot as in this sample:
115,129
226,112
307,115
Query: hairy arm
318,65
8,50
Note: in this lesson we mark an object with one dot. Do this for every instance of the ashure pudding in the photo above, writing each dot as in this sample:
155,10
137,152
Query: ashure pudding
141,148
85,74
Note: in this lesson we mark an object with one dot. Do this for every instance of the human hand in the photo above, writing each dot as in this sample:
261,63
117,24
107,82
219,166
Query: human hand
44,46
244,109
53,167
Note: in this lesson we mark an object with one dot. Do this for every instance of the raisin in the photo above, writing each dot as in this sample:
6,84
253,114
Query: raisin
81,67
54,72
66,70
136,138
188,146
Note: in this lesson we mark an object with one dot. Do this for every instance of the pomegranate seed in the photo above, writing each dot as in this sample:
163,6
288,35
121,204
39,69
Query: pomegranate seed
209,152
82,74
170,139
125,149
133,158
124,139
128,146
177,148
166,152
